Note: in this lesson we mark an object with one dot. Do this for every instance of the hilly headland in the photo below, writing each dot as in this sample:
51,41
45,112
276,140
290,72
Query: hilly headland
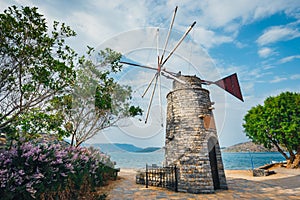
116,147
246,147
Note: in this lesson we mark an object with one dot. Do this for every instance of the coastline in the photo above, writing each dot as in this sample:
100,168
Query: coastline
280,173
284,184
230,160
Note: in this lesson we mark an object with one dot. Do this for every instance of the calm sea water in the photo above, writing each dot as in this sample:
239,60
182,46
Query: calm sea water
230,160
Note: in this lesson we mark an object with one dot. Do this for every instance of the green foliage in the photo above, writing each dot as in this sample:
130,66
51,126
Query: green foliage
134,111
41,92
32,123
103,100
276,123
35,66
98,101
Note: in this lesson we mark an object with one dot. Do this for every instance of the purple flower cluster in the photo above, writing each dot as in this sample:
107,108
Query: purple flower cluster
29,170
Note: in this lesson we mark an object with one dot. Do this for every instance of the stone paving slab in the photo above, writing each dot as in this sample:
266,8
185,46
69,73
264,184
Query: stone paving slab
241,184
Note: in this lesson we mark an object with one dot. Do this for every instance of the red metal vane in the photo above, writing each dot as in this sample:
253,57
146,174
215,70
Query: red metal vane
231,85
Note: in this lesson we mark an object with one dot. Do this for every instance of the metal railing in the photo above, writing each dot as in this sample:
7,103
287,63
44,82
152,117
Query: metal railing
166,177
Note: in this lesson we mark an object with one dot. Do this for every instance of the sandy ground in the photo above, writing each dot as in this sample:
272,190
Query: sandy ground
282,176
285,184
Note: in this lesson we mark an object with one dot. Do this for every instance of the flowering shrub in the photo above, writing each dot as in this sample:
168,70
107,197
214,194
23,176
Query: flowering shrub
46,171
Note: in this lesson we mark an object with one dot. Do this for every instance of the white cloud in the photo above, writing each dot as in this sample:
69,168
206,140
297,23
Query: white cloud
3,6
278,79
289,59
95,21
228,13
265,52
295,77
266,67
240,45
246,74
277,33
209,38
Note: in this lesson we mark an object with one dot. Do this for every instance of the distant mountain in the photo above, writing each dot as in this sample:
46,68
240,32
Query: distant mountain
149,149
248,146
117,147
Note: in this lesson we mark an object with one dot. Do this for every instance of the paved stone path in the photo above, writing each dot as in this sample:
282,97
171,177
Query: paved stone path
242,185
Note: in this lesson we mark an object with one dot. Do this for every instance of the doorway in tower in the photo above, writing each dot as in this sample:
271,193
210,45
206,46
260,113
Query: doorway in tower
213,163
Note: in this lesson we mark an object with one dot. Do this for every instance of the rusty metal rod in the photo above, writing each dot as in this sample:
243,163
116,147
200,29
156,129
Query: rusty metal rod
179,42
149,84
168,36
151,99
138,65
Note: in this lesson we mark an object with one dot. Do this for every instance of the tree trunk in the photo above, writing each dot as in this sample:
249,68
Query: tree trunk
78,143
72,140
296,161
278,148
290,161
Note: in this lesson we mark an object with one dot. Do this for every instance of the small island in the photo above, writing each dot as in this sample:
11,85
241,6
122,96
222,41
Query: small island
248,147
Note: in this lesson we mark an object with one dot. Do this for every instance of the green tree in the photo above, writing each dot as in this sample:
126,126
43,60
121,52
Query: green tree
46,88
97,101
277,123
35,66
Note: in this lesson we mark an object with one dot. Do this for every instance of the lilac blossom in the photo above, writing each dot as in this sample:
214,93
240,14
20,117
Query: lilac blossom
25,169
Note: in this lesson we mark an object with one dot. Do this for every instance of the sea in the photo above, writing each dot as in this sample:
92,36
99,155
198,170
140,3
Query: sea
243,161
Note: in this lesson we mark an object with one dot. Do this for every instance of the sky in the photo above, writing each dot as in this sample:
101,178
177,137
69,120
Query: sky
258,40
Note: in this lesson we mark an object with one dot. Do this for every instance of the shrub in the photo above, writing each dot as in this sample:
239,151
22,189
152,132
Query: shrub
50,171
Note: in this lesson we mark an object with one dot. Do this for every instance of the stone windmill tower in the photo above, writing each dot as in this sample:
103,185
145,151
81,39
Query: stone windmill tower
191,137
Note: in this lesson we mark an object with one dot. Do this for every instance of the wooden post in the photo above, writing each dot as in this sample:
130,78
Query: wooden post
146,175
176,179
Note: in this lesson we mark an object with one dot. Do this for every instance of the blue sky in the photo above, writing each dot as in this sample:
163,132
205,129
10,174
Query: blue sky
259,40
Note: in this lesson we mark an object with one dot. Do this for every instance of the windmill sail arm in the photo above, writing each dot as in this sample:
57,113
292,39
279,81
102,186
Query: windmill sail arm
149,85
151,98
205,82
179,42
168,75
168,36
138,65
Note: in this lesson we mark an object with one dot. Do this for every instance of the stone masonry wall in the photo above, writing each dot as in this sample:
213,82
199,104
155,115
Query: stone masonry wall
190,125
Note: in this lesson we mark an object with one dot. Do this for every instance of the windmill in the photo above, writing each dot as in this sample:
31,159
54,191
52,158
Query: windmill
229,83
191,140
